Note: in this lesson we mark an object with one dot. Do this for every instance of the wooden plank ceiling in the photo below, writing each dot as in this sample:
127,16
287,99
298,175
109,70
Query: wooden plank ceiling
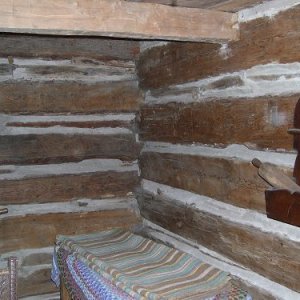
117,18
221,5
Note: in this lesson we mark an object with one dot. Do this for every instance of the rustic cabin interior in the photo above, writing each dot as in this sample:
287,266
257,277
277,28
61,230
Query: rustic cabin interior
148,149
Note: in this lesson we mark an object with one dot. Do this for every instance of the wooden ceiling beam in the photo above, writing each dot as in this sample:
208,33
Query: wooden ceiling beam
117,19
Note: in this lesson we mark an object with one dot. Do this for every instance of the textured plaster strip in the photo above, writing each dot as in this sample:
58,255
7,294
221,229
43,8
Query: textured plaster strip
263,80
234,214
253,279
62,130
14,172
83,75
18,130
267,9
46,70
81,205
127,117
78,62
234,151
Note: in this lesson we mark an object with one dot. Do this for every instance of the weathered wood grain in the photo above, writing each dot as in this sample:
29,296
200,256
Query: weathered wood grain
35,231
228,180
118,19
54,148
74,97
258,123
262,41
61,188
223,5
67,46
270,255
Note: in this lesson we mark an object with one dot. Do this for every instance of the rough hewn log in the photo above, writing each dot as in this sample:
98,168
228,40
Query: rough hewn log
231,181
257,123
73,97
66,47
262,41
271,255
35,231
118,19
80,69
53,148
67,187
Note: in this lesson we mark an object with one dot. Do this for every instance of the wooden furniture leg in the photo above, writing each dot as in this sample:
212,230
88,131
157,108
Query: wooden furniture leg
64,294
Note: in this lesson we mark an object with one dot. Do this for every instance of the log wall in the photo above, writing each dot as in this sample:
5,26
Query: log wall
68,149
209,110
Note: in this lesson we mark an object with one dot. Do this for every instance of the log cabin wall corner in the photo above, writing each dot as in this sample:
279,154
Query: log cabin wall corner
68,148
72,113
209,110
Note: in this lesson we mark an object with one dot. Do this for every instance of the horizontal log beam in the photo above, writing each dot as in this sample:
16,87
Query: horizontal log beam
227,180
117,19
64,182
75,97
55,147
222,122
67,46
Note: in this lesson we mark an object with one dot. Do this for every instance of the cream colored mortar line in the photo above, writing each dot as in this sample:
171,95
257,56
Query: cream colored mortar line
16,172
234,151
75,62
60,129
127,117
75,206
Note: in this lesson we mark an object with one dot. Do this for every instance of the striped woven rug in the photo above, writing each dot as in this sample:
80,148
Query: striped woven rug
145,269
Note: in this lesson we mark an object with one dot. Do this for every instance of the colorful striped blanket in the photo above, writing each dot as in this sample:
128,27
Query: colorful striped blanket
128,266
